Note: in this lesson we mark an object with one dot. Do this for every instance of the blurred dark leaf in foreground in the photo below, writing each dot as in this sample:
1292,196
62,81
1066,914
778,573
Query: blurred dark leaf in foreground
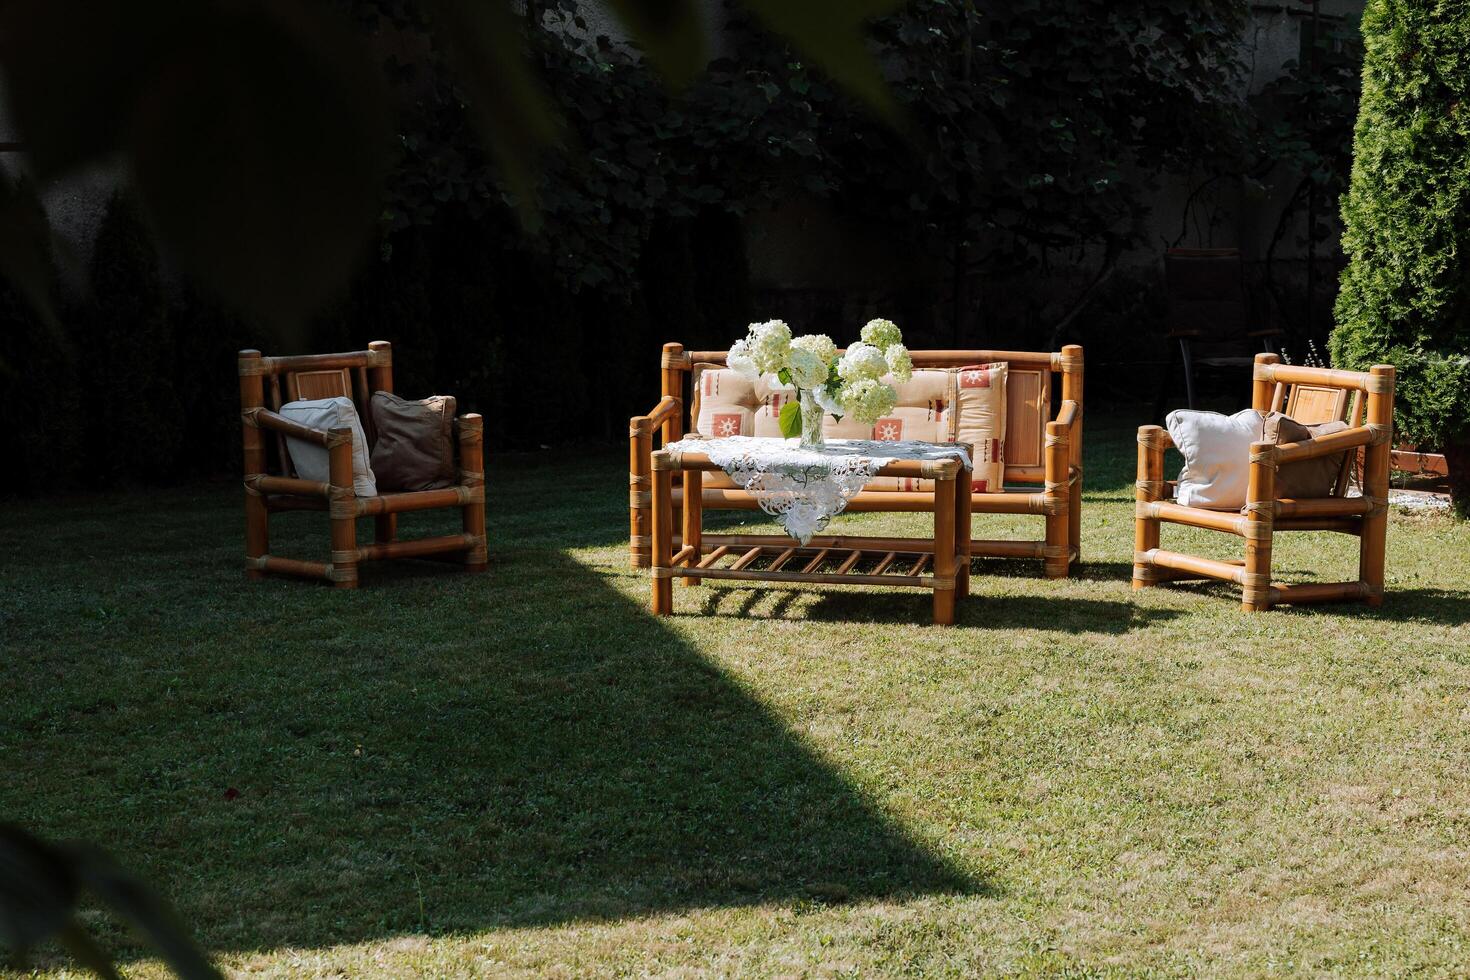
40,884
259,134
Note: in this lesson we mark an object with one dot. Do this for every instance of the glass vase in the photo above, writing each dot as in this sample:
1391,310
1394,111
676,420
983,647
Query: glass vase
811,420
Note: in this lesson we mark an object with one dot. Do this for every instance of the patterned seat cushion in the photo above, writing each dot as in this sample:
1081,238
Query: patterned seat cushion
728,404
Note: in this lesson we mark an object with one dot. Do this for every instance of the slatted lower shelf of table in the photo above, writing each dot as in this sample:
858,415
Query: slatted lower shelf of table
830,565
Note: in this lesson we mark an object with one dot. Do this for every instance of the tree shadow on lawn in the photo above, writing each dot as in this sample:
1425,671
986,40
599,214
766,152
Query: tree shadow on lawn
451,753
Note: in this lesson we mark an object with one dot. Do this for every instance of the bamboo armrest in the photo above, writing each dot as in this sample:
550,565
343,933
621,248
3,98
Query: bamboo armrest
1328,445
667,407
267,419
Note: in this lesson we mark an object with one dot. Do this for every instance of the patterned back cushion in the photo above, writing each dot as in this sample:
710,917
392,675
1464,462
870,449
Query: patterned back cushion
727,404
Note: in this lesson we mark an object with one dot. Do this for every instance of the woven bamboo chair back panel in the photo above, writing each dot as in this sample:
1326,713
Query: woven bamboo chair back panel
1311,404
1028,406
318,384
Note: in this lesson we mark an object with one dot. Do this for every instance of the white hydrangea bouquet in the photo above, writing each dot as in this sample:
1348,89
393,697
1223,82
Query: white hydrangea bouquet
846,386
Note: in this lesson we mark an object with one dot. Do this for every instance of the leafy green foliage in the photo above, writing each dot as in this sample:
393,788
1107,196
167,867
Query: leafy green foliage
790,420
1405,298
1025,136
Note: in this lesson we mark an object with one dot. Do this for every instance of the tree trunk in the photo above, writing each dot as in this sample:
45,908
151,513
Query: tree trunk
1457,456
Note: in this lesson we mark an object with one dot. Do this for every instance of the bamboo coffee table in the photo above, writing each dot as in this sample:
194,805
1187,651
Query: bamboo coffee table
940,563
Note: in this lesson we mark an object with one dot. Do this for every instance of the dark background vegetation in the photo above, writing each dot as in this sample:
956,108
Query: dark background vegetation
1030,139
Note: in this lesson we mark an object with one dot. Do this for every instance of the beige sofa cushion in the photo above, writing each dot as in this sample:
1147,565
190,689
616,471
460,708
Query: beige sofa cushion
729,404
310,460
981,397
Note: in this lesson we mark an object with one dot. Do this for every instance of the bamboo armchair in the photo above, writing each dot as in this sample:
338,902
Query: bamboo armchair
1041,451
271,484
1318,395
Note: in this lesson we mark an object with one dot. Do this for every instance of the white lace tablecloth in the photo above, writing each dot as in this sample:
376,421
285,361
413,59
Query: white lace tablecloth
805,487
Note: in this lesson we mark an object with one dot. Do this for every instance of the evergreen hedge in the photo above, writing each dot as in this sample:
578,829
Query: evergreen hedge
1405,295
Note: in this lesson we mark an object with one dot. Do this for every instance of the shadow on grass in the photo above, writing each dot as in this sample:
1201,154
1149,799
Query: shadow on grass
437,752
1439,607
983,612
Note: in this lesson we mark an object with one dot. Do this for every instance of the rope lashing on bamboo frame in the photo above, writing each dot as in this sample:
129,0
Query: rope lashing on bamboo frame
1266,456
1379,384
1055,551
1066,363
679,361
1255,588
255,367
1381,432
941,581
1153,488
1260,507
1255,530
665,572
639,499
348,574
640,541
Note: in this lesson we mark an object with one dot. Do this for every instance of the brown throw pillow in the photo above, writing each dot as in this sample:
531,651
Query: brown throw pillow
415,447
1305,478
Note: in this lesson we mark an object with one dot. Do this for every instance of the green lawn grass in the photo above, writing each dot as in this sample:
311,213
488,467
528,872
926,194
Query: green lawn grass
525,772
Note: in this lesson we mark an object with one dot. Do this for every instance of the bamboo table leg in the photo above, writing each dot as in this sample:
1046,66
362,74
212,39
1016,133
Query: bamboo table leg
663,537
693,517
945,512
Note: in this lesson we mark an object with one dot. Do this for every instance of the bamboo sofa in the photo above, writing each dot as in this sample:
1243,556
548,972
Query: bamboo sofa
1315,395
271,484
1041,452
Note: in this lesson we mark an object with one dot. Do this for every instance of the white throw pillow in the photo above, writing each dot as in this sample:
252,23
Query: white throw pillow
1217,451
311,460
